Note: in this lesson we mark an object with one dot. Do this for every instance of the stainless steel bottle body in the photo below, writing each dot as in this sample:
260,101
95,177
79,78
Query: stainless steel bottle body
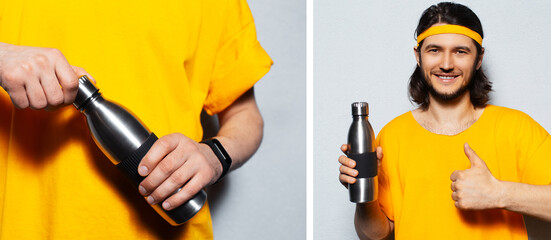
125,140
361,149
116,132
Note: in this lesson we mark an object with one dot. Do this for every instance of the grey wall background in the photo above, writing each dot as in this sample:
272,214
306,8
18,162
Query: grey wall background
266,198
363,52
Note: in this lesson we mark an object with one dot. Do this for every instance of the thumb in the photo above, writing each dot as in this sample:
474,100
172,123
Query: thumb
475,160
344,148
80,71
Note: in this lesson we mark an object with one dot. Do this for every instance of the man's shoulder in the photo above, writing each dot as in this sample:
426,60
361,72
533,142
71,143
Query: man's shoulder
501,114
400,123
514,121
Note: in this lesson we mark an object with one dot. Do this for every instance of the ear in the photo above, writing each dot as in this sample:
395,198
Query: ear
416,55
480,57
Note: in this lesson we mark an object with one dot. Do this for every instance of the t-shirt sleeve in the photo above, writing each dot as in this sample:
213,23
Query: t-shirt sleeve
537,168
240,60
533,152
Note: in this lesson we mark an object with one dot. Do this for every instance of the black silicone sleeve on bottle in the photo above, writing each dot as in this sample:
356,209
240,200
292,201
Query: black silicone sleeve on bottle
366,164
129,166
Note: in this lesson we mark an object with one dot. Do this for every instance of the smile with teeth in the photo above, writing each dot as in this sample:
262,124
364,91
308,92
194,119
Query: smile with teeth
447,78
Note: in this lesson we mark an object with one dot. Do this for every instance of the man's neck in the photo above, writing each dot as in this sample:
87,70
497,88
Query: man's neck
448,117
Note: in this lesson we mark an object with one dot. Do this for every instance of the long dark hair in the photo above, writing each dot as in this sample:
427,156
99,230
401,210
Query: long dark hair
457,14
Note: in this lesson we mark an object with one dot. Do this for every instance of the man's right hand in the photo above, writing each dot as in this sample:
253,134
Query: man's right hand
38,78
347,172
369,220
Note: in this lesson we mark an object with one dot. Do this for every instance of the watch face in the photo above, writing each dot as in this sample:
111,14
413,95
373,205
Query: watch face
221,154
220,151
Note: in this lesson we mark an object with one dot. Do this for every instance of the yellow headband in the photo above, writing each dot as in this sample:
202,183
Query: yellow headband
450,29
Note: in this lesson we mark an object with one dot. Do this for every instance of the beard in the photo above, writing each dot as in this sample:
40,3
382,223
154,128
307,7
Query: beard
448,96
439,96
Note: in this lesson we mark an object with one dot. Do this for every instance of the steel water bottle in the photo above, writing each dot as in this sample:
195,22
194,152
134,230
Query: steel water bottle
125,140
362,150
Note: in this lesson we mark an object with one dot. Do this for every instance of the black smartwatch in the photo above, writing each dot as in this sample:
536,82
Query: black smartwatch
221,154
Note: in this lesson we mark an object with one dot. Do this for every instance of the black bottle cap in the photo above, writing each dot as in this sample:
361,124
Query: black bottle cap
86,89
360,109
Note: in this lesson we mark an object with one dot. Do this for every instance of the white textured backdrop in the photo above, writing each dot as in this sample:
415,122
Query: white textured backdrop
363,52
266,198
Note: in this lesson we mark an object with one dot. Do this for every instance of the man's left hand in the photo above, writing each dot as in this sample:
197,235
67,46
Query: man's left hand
176,161
475,188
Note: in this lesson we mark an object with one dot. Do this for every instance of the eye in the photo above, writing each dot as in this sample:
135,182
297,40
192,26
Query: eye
433,50
462,52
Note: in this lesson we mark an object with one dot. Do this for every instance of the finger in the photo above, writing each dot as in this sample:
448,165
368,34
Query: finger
161,173
475,160
347,161
189,190
66,77
18,96
455,175
348,171
158,151
379,151
453,187
36,96
171,184
344,148
454,196
345,180
52,89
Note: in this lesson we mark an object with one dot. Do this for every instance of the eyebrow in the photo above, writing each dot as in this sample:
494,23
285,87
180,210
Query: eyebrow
455,48
433,46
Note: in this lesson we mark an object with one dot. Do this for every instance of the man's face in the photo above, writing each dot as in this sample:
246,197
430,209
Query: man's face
448,62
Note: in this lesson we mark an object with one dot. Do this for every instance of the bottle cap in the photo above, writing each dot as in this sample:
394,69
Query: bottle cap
86,89
360,109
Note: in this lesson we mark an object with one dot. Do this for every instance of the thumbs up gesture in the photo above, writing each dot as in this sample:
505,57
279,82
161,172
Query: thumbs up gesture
475,188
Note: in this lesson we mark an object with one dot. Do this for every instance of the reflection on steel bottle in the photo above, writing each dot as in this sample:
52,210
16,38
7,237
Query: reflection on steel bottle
361,148
123,138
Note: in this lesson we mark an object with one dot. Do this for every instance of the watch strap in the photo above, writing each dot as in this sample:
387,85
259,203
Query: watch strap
221,154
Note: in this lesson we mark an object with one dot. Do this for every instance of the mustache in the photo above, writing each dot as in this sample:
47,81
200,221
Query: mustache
437,72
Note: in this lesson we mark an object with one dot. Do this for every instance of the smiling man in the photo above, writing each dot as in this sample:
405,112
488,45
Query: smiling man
432,184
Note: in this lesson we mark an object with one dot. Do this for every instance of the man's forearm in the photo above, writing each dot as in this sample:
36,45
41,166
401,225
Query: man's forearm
195,165
371,222
527,199
241,129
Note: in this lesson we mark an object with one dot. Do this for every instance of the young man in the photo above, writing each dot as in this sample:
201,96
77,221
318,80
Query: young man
432,184
166,61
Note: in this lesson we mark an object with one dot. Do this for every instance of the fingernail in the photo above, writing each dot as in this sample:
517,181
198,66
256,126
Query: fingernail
166,205
142,190
150,200
143,170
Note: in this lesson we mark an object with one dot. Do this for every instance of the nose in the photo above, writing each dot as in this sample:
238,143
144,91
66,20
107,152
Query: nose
447,62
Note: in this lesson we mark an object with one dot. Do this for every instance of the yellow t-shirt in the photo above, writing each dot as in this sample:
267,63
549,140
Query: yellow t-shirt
165,61
414,178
